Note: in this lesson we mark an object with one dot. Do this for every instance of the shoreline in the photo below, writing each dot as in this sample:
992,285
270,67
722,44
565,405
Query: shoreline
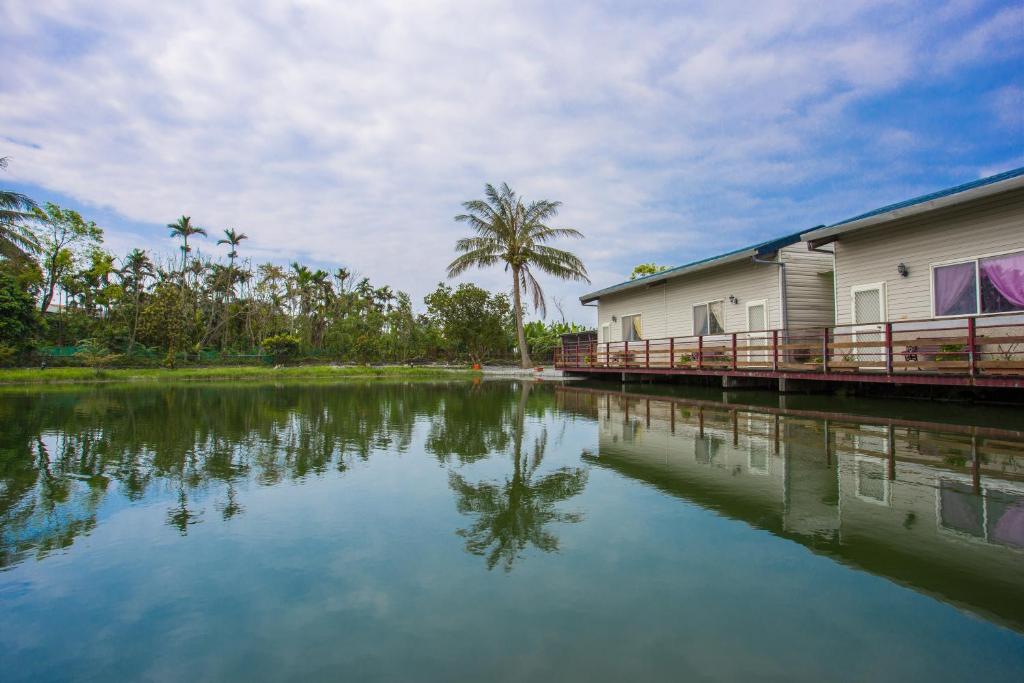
35,376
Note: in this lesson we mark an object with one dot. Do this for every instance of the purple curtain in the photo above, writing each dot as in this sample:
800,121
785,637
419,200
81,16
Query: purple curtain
950,284
1006,273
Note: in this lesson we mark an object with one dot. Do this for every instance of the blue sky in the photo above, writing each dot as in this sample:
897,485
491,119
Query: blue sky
349,133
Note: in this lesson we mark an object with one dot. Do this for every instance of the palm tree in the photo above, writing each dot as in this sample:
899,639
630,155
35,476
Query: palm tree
509,232
136,269
233,239
16,239
183,228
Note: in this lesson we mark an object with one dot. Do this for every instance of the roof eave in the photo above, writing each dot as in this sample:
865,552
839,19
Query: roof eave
816,238
668,275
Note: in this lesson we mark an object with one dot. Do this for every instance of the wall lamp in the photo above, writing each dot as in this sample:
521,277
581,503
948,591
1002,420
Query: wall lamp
733,300
902,269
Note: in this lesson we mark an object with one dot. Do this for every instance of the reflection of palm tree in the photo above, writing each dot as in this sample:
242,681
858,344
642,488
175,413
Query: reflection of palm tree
513,515
181,517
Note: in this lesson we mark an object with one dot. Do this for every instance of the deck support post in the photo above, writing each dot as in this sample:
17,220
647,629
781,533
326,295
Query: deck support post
700,353
775,350
824,350
888,348
671,352
733,350
647,353
972,362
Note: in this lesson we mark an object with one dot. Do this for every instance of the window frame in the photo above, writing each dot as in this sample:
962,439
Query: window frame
977,284
606,332
693,318
622,325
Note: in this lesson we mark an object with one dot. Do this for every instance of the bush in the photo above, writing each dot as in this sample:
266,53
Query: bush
282,347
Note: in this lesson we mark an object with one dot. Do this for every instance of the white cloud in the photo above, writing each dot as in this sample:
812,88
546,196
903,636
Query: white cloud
350,132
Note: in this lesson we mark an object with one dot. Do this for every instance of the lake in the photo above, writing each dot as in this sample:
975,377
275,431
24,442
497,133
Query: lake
506,531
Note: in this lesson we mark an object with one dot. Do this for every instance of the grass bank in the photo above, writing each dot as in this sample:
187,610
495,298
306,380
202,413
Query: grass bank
13,376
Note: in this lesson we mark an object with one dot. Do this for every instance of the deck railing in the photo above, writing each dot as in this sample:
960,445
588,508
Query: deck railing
970,345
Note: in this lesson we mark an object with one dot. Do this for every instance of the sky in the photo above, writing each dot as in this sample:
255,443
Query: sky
349,134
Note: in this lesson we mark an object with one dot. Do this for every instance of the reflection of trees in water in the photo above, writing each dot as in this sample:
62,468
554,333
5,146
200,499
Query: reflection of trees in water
62,452
514,514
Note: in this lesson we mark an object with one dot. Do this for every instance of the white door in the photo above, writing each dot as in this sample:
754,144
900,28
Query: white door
869,330
757,335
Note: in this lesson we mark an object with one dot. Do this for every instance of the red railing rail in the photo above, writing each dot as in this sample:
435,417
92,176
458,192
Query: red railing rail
969,345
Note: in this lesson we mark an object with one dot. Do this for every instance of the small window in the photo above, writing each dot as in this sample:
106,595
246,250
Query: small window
631,329
606,331
994,284
956,289
709,318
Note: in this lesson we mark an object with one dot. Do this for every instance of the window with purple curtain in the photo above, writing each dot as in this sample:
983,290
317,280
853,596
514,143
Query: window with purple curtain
1002,283
955,289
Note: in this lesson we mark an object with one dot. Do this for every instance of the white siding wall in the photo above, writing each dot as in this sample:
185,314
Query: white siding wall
984,227
810,300
667,309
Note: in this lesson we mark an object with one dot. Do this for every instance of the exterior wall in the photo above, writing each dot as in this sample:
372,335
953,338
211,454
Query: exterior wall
984,227
810,294
667,309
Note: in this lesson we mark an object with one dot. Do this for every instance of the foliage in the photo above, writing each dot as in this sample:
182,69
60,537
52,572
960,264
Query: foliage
65,237
94,354
191,307
645,269
514,234
472,321
543,338
283,347
18,319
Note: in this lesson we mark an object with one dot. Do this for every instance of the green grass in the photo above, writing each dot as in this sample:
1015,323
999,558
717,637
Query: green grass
311,372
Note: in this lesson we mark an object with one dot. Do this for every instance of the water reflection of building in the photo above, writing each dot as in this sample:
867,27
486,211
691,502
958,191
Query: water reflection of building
938,508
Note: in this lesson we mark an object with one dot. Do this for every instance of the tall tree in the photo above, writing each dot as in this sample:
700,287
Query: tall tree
233,239
511,232
136,269
184,229
64,232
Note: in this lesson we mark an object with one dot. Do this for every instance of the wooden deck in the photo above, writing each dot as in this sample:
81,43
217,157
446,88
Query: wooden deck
980,351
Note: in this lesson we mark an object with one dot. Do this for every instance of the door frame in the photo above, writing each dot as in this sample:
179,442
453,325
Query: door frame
872,327
761,338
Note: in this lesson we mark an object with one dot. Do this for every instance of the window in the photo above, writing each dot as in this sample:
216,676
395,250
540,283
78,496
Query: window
606,332
993,284
709,318
631,329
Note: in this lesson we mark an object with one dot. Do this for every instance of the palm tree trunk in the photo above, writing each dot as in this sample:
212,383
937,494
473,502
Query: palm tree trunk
524,353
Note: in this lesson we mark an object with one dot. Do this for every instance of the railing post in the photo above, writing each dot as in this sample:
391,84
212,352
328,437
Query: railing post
775,350
700,352
733,350
671,352
972,362
625,354
647,353
888,348
824,350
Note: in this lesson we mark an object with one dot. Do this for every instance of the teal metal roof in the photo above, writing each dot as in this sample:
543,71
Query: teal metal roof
990,180
759,249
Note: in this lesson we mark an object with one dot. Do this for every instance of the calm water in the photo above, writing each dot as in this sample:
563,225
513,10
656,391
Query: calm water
502,531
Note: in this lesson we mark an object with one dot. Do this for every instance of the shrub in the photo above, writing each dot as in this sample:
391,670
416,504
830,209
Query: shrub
282,347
